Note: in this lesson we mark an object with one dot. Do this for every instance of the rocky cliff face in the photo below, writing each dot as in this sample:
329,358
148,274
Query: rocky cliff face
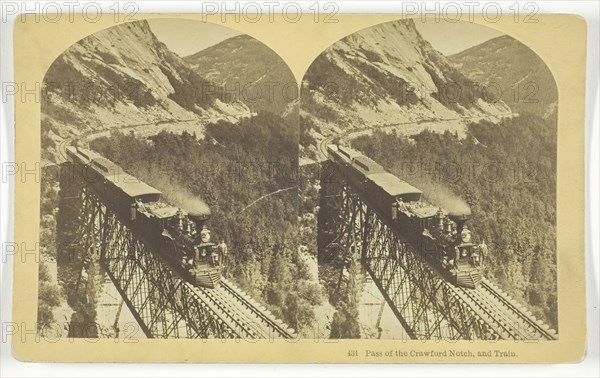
124,76
384,75
526,82
251,70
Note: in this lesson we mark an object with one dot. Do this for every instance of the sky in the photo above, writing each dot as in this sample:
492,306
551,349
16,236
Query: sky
186,37
451,38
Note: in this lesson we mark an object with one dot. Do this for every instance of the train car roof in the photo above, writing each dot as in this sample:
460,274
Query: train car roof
349,152
357,159
392,184
165,212
104,162
425,212
367,165
375,172
132,186
86,156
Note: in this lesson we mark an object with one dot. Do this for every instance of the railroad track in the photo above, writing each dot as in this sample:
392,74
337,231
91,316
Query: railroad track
237,313
239,326
499,316
272,324
240,313
533,325
508,319
351,134
502,327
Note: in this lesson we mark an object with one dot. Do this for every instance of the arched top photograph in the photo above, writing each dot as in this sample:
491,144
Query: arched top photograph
181,141
443,135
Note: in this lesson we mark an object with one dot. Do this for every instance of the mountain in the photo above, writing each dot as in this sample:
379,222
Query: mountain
251,70
385,75
526,82
124,76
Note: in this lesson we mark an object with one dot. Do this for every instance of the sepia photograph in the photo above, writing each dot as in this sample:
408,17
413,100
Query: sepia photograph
436,194
170,206
427,203
381,189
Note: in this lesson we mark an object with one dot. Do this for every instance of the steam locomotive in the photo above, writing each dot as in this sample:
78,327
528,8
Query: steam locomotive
444,237
182,238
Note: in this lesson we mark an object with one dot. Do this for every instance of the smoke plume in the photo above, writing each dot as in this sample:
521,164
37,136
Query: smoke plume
175,194
182,198
439,195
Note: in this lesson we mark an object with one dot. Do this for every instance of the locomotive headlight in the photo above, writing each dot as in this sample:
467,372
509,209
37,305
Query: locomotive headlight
205,236
465,235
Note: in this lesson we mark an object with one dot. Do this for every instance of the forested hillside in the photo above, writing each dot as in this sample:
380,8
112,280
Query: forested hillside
247,174
507,174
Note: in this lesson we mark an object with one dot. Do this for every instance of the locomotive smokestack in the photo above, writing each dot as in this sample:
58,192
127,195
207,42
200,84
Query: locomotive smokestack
460,220
199,218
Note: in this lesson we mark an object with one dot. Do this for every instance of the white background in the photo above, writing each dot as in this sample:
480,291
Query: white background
590,367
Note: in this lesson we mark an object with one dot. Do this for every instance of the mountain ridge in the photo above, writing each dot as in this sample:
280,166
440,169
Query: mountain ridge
527,84
124,76
387,74
249,69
